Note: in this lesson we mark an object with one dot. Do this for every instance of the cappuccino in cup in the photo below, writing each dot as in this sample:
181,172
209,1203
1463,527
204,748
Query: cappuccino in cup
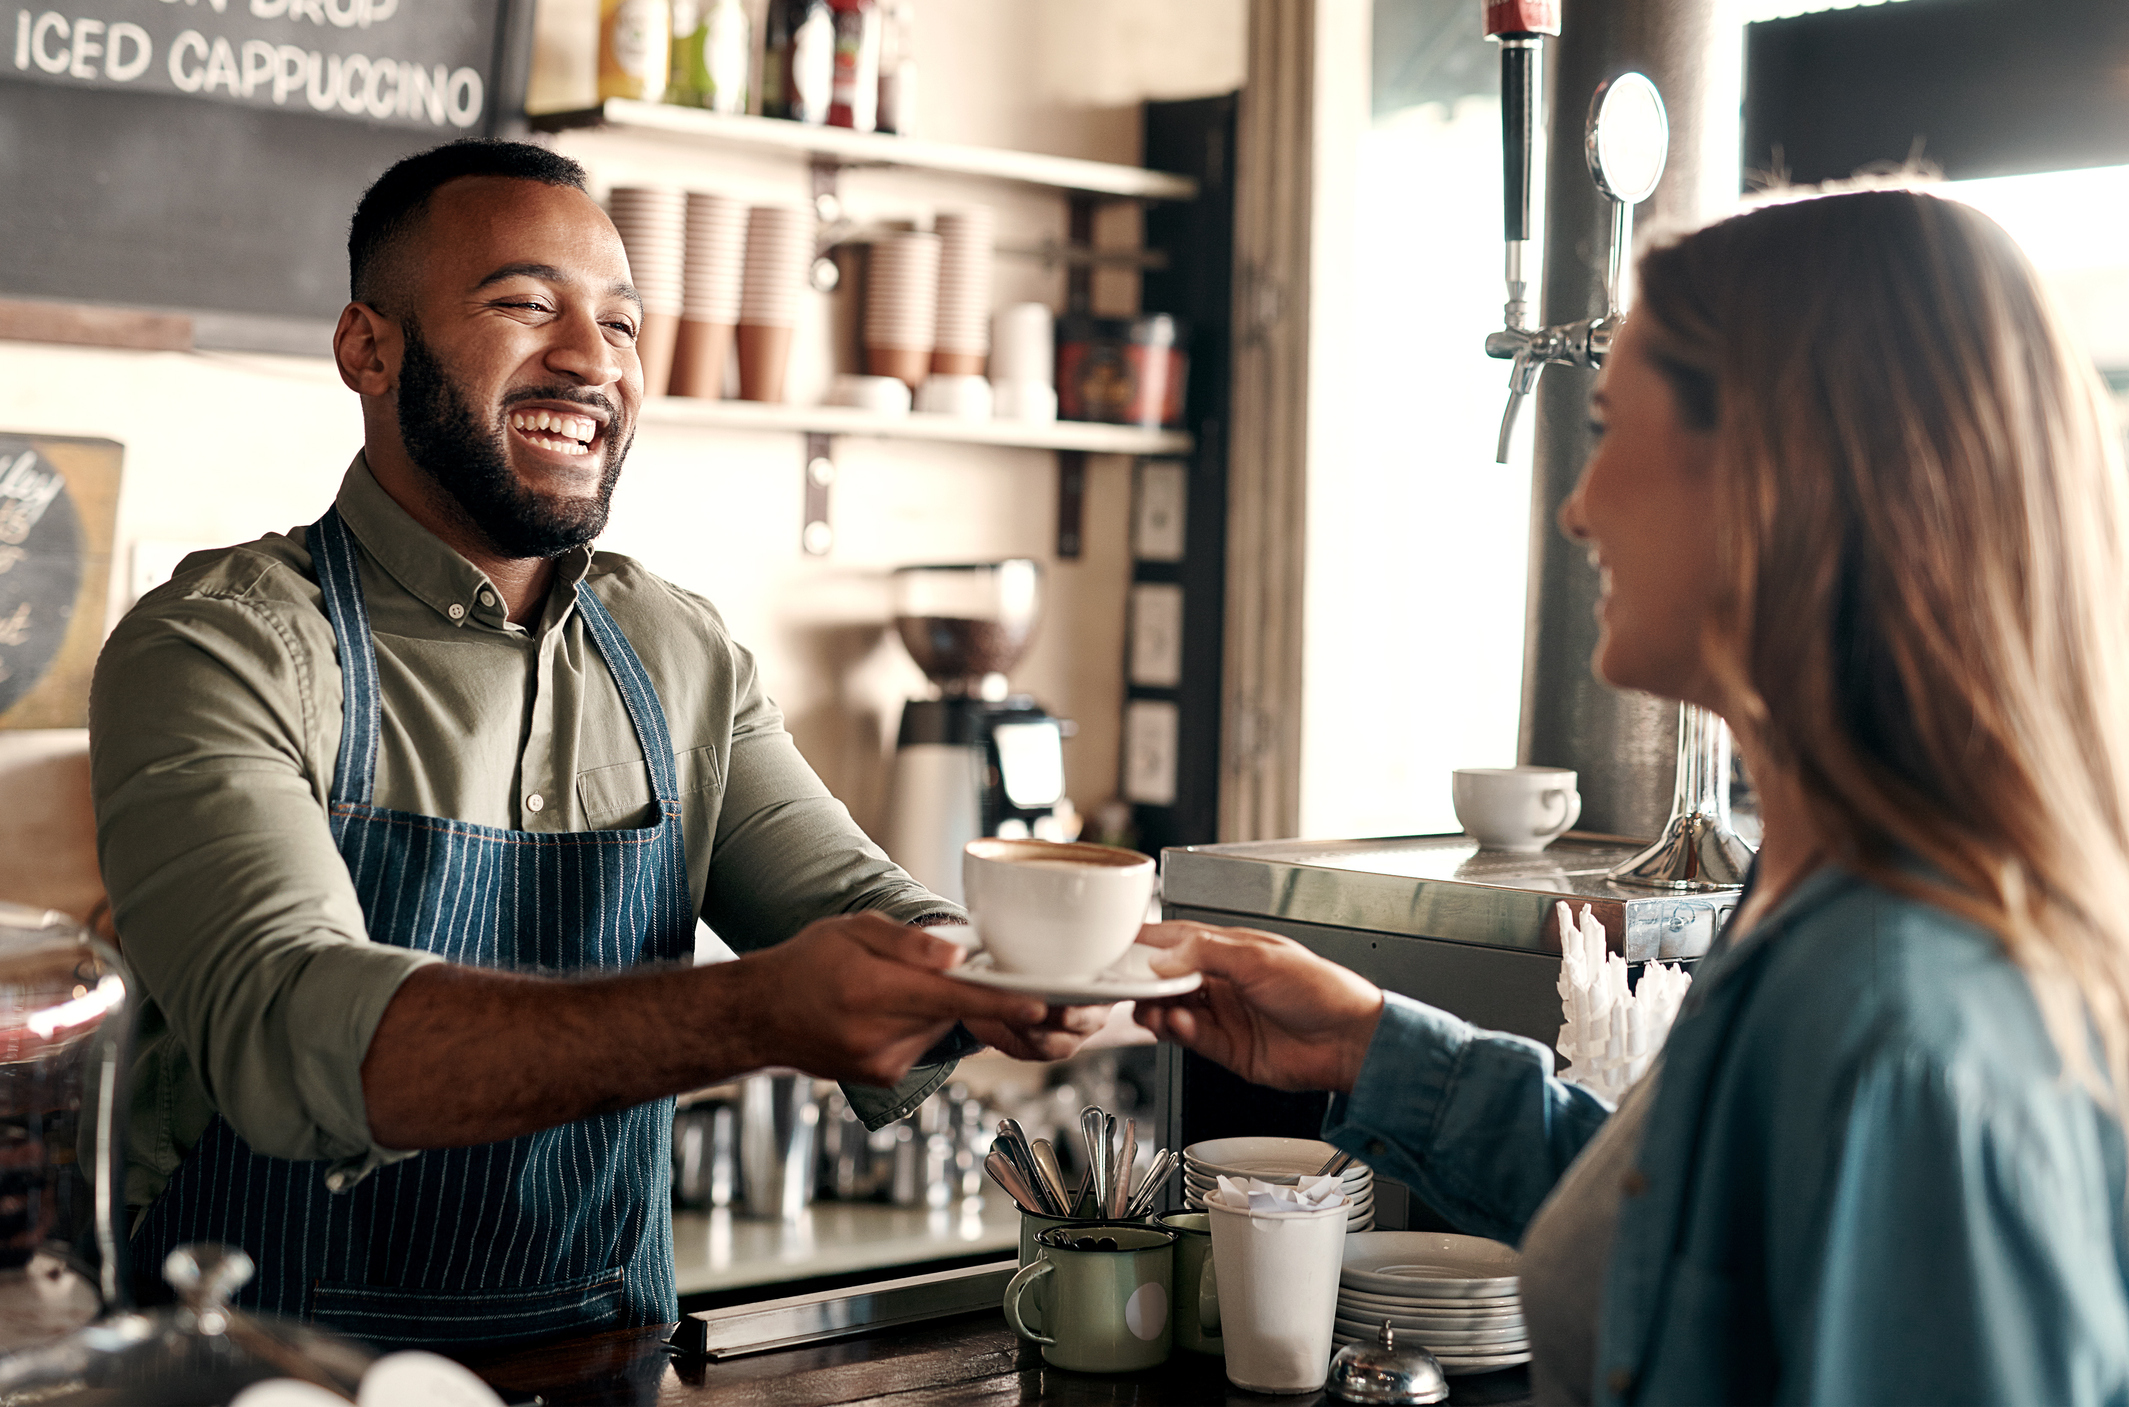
1050,909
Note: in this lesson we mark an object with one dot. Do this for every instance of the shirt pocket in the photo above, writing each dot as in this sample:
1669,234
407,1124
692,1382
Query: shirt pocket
620,795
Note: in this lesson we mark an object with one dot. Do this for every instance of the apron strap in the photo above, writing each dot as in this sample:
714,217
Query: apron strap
332,548
637,692
332,552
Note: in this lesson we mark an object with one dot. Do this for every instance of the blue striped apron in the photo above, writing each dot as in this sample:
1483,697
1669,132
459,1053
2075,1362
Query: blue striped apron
565,1230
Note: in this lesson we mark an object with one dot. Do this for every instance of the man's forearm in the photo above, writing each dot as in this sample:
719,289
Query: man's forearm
464,1055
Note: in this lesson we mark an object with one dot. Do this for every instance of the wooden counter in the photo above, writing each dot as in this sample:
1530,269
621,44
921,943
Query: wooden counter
974,1359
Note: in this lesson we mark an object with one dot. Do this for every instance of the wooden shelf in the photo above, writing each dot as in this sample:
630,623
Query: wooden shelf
844,147
1084,436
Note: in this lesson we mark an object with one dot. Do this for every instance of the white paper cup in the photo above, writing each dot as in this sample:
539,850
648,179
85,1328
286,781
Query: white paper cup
902,292
963,397
1034,401
884,394
1515,808
1055,910
1277,1278
716,257
1024,348
779,248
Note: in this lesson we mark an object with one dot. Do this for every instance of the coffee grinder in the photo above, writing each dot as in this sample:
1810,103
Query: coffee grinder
978,759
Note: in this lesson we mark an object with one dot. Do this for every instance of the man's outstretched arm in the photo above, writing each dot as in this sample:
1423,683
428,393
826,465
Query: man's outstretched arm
465,1055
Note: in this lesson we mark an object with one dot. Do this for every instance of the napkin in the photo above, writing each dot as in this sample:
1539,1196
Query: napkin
1312,1194
1611,1035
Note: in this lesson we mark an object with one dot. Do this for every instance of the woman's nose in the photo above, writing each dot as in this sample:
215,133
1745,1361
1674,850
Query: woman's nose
1570,514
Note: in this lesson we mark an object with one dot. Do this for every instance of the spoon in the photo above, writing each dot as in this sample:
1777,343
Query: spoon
1150,1185
1008,1177
1126,1159
1013,1140
1052,1174
1091,1124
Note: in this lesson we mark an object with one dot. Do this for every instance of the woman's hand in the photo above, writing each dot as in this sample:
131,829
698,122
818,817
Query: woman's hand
1270,1010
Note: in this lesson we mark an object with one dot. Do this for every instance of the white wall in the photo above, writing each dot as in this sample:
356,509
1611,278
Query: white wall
220,448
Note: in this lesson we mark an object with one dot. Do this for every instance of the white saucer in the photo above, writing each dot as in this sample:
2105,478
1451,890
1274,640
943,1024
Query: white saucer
1127,979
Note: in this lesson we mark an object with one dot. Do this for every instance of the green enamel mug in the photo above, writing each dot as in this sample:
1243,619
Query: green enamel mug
1197,1292
1097,1298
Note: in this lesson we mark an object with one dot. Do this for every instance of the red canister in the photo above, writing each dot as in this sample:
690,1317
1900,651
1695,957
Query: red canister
1122,371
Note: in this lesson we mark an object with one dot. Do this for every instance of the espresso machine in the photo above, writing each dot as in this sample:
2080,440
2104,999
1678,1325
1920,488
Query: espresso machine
977,759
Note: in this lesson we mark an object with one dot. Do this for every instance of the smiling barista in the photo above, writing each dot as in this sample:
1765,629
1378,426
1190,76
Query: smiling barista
365,791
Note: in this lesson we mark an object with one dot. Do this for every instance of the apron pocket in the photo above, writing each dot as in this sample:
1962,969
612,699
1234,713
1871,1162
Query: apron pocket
386,1315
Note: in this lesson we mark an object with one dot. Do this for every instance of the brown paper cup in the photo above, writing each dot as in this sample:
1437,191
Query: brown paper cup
906,364
654,346
956,363
764,353
699,358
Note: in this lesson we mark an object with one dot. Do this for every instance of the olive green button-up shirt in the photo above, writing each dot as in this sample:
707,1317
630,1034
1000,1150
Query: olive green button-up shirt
214,730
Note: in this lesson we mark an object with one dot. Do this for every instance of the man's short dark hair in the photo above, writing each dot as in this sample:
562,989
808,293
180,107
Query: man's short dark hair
395,204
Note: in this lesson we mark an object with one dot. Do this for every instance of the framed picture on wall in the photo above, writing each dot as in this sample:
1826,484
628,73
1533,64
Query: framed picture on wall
58,513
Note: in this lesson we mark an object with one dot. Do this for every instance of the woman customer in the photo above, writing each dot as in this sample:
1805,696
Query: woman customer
1857,493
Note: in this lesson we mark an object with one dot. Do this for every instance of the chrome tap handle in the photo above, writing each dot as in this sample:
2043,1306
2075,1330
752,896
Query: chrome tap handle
1522,380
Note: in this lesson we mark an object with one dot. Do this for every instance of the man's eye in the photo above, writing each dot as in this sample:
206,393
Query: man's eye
627,330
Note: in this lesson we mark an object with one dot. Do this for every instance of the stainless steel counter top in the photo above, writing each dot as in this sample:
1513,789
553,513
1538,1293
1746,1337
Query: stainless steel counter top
1444,887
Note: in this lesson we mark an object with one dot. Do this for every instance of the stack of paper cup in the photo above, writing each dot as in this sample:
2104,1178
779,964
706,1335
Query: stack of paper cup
963,339
902,307
716,260
779,250
1023,364
652,221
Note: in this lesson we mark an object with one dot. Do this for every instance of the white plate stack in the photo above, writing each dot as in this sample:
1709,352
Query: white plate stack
963,336
1457,1295
652,222
1286,1160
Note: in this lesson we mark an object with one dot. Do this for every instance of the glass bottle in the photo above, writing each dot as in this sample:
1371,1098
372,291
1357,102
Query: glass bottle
898,67
726,52
635,41
856,101
798,64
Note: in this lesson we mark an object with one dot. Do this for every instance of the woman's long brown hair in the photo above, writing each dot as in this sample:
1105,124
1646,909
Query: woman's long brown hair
1925,526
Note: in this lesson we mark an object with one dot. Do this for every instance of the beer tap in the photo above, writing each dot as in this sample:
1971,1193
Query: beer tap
1627,140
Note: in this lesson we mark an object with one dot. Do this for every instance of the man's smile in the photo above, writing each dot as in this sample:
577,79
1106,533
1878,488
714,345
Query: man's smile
566,432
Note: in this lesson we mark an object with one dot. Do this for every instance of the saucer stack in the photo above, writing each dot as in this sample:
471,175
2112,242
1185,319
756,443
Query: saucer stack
1457,1295
1286,1160
963,337
716,259
652,223
902,307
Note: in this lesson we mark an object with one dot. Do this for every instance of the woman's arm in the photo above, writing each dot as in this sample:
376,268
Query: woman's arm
1472,1121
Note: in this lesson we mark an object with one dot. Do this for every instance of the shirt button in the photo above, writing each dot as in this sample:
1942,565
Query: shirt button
1376,1147
1634,1183
456,611
535,802
1620,1381
487,598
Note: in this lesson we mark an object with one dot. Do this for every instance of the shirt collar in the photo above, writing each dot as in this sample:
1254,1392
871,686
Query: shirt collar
429,570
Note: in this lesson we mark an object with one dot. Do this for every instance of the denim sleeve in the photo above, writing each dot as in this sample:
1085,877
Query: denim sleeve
1473,1121
1969,1254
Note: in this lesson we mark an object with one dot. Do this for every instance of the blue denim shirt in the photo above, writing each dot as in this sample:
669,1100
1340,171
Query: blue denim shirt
1866,1178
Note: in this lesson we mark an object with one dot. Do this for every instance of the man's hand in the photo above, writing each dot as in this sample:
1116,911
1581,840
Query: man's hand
1270,1010
1063,1031
860,997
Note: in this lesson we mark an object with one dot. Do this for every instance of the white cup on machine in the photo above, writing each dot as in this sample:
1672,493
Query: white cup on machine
1515,808
1053,909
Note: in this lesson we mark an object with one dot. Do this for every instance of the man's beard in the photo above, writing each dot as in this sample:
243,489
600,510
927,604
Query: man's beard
471,461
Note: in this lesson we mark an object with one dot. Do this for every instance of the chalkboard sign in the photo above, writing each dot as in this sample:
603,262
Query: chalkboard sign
205,155
58,507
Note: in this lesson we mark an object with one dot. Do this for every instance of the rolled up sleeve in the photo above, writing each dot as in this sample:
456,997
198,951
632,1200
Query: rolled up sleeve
231,900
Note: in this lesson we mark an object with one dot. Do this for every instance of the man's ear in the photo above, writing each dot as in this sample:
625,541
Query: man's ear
367,347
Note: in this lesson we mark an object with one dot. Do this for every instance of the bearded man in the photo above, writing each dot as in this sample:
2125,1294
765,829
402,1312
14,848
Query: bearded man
408,816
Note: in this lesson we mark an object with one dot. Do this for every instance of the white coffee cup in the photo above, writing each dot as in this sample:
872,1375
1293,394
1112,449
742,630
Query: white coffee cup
1515,808
1053,909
